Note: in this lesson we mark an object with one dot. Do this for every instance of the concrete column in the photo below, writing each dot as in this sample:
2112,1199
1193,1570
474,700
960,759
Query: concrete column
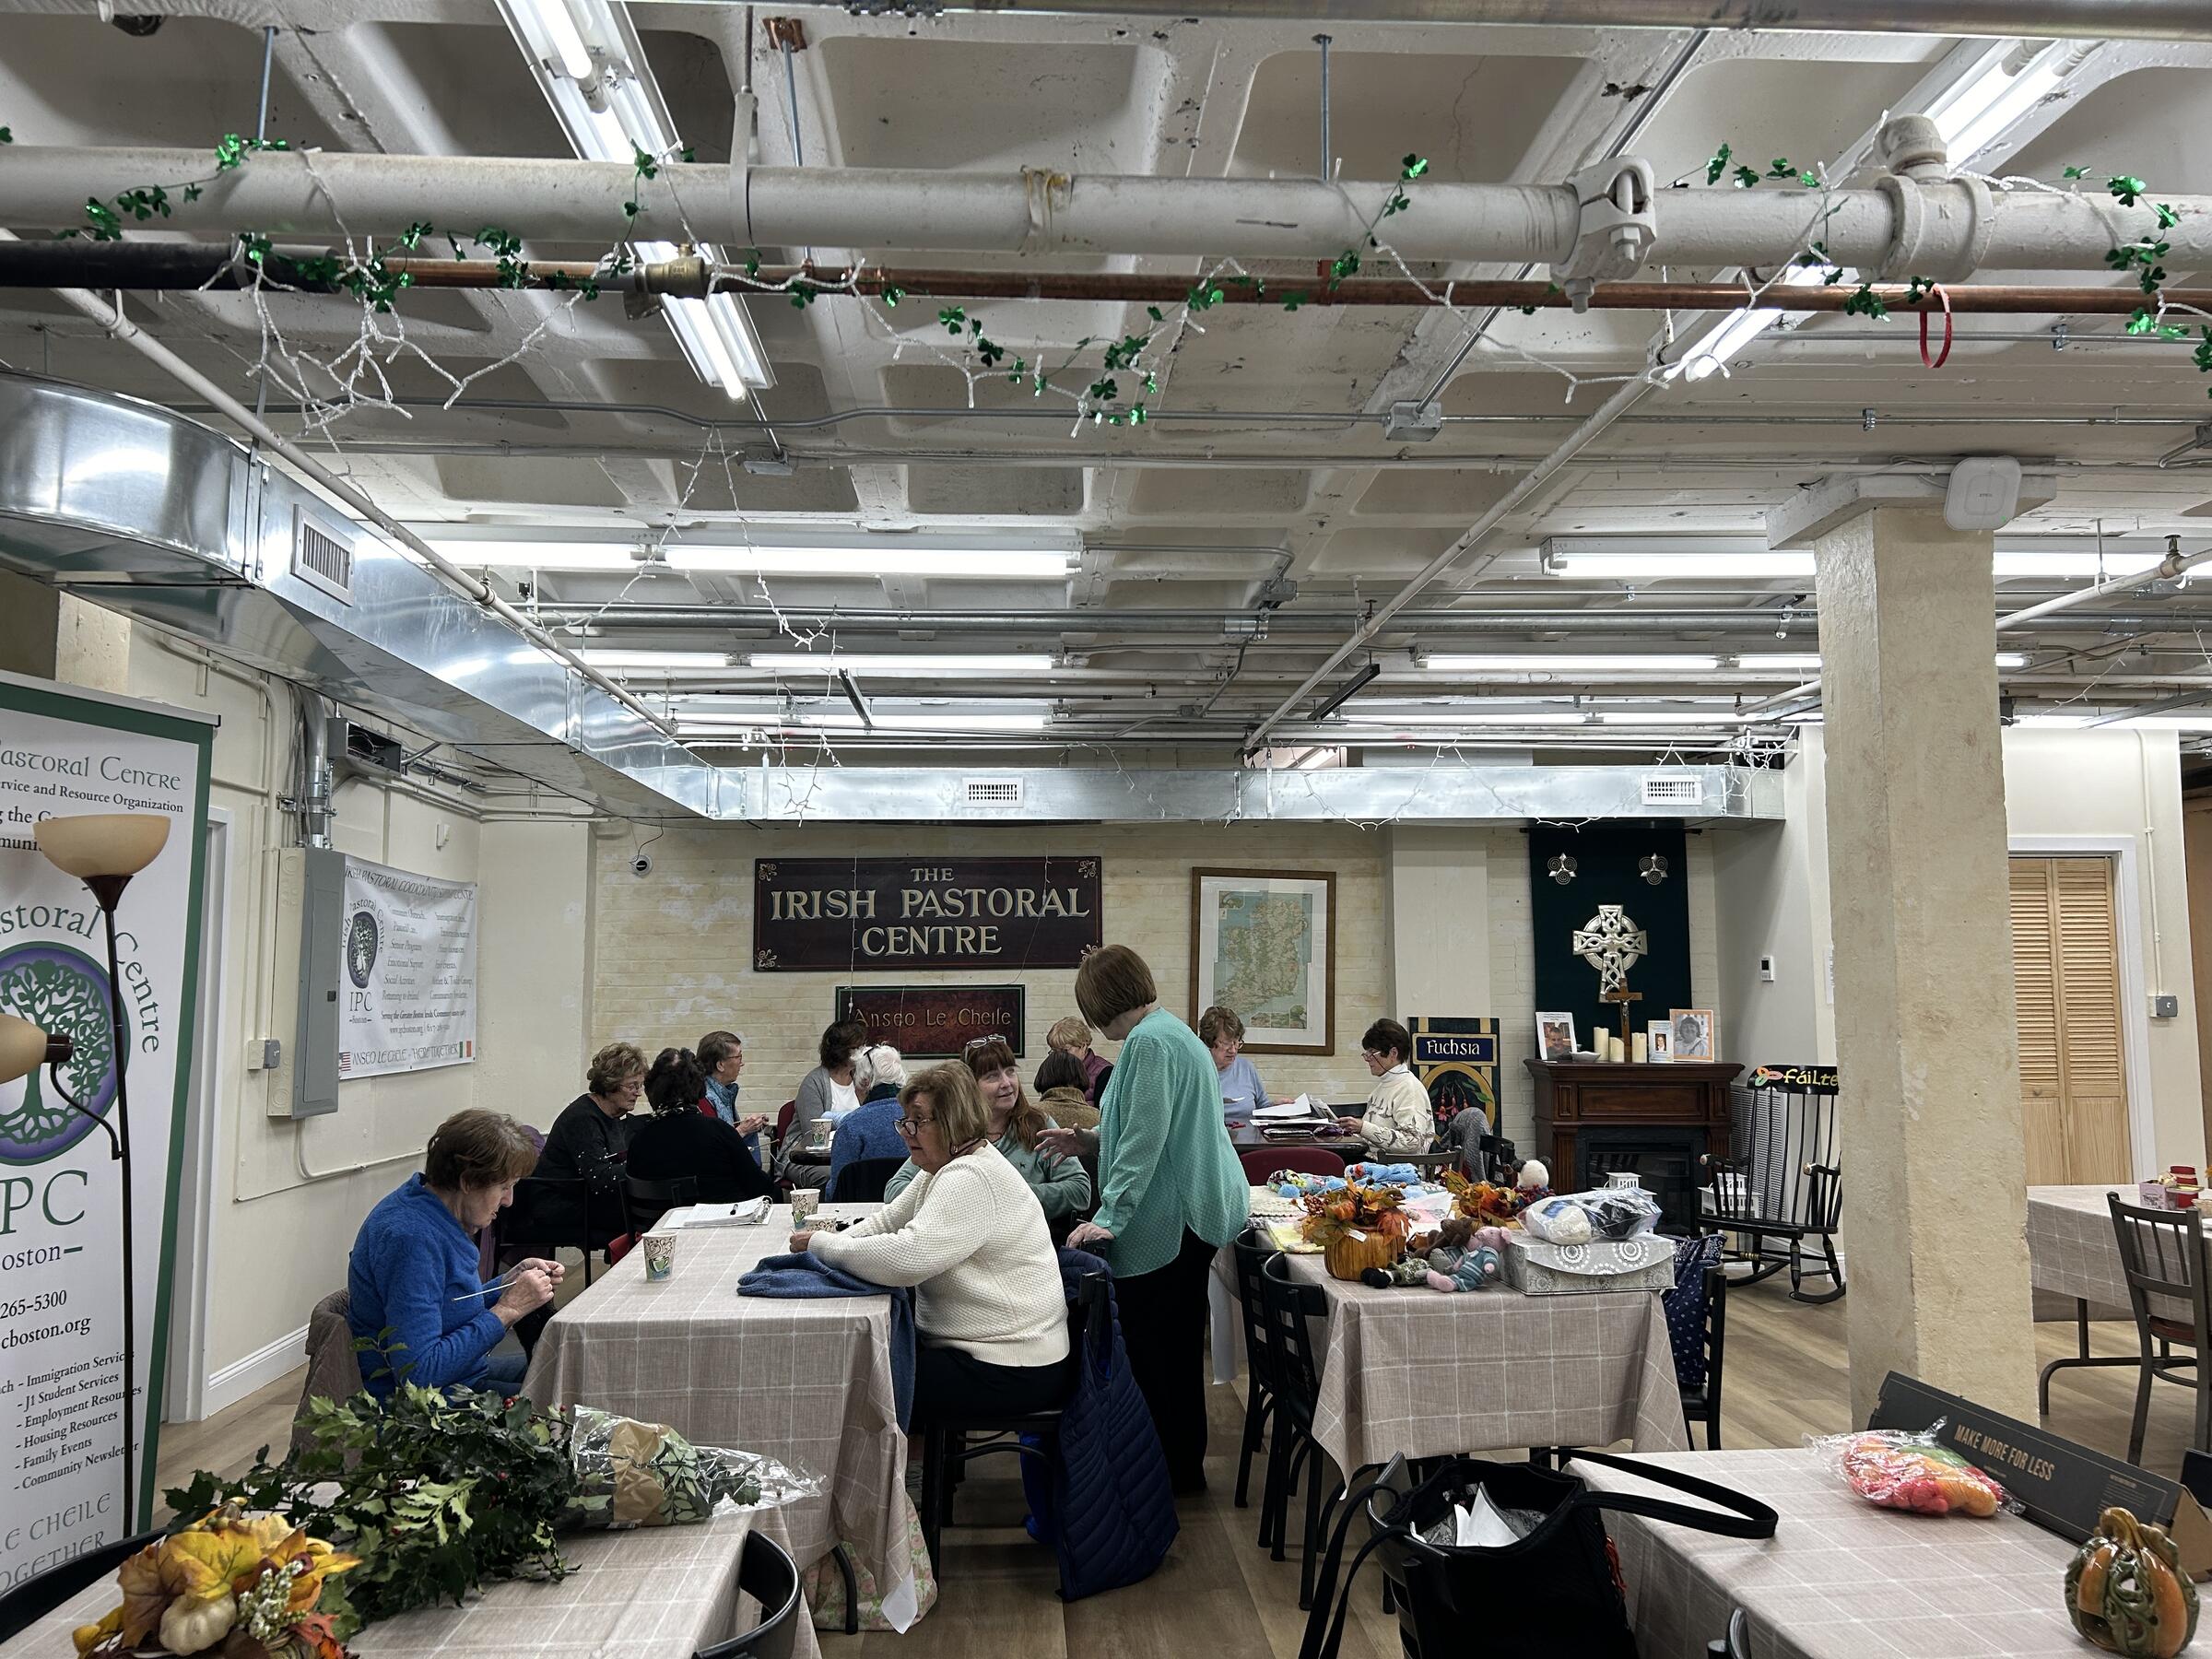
1437,923
1934,1192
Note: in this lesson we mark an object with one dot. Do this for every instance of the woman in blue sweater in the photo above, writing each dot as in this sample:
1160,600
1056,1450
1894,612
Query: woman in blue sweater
416,1297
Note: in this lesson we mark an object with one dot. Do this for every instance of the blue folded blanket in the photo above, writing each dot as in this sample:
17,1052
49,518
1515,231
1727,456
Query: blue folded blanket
808,1276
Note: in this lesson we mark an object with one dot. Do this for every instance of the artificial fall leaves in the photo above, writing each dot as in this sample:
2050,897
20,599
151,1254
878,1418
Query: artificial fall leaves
185,1589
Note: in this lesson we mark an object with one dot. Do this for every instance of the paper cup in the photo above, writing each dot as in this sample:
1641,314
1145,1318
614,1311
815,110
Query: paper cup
805,1201
660,1258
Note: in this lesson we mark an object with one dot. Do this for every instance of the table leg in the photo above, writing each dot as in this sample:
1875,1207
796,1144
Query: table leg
1224,1328
2082,1357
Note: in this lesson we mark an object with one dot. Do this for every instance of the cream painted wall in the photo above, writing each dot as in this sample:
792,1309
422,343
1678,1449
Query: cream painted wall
534,966
672,951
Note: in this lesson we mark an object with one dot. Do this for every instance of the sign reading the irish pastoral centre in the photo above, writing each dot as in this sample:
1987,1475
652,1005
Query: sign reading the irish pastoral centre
410,971
844,913
935,1022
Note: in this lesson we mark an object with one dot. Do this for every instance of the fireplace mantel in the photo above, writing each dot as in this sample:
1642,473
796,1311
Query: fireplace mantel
1576,1095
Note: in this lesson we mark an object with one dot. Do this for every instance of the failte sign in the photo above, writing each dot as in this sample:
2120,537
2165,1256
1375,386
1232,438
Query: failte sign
935,1022
817,914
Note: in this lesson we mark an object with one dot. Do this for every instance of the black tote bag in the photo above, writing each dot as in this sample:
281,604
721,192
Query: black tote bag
1562,1572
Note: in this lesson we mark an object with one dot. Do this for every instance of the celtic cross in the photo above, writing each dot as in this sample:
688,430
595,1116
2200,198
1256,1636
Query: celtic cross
1612,943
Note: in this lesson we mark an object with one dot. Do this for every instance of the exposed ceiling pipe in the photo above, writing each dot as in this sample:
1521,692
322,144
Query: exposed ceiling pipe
472,588
2166,569
1624,398
2060,19
1956,225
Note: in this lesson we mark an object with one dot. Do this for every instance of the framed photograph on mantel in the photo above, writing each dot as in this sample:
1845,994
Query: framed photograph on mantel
1555,1036
1263,943
1695,1036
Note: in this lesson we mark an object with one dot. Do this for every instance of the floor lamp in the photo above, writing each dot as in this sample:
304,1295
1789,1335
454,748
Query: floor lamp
104,850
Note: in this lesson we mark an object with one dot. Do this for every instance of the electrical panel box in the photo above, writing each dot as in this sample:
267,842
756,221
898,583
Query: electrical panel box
311,921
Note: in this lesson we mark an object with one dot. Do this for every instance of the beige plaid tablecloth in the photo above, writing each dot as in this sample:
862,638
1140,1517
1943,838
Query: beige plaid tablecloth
660,1593
2073,1255
1429,1374
1840,1579
809,1382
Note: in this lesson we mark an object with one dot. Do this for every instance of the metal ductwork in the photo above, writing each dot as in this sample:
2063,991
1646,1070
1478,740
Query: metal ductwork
140,510
150,514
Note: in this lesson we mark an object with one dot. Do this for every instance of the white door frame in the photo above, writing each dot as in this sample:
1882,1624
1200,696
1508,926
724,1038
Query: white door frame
2135,1010
186,1395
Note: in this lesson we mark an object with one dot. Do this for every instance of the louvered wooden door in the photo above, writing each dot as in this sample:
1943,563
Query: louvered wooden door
2065,970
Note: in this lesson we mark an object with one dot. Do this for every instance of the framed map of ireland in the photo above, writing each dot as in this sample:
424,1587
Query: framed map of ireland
1263,943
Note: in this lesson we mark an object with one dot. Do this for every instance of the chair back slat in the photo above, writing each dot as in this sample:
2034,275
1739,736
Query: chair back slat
1291,1303
1251,1252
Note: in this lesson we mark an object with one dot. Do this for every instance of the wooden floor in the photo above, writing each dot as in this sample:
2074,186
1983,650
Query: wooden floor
1220,1595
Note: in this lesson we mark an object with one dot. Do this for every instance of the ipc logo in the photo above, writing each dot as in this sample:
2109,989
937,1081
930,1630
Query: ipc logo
65,991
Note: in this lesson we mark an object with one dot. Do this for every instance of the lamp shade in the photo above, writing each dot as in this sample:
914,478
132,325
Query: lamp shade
22,1048
103,843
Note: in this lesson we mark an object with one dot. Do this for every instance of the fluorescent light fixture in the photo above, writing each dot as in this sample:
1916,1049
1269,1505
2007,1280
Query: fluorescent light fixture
893,561
2081,566
1540,718
696,660
1658,558
1734,331
1476,668
901,666
849,722
898,559
1975,113
611,106
1787,663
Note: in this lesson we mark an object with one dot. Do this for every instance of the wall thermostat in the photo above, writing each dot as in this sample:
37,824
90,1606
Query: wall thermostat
1765,969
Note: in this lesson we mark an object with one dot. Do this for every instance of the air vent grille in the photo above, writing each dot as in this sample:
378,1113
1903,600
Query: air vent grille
321,557
991,792
1673,789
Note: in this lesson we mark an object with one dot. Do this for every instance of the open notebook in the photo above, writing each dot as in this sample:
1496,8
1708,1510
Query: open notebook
751,1213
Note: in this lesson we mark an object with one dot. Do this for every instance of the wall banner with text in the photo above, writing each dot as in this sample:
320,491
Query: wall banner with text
848,913
62,1389
407,984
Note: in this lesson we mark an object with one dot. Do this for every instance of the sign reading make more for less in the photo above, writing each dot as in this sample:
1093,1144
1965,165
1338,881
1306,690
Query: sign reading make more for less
847,913
62,1387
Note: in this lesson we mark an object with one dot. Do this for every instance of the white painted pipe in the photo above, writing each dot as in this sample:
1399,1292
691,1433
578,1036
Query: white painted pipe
875,210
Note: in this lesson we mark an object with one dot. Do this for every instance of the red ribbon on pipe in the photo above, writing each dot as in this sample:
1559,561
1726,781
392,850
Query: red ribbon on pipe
1943,356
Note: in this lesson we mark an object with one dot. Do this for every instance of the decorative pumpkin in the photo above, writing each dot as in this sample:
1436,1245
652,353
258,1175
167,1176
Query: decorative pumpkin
1348,1257
2126,1593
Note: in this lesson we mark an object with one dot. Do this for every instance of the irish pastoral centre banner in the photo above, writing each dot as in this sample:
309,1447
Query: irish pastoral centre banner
62,1346
407,985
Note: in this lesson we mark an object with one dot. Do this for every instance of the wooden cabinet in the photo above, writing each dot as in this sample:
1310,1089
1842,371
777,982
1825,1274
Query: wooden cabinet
1575,1097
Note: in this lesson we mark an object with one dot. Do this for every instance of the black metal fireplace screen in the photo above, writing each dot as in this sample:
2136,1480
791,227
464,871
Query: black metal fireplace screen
1668,1163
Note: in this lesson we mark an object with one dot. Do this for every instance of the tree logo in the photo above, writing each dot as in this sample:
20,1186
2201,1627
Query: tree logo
363,938
65,992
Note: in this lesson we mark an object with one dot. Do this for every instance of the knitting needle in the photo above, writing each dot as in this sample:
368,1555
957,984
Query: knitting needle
496,1285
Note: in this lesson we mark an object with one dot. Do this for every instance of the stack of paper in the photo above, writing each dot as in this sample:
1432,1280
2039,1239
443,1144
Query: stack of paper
750,1213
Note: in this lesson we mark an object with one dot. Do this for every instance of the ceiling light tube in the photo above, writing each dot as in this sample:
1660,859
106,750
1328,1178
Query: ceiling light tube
703,660
548,23
894,560
1974,113
994,666
1782,663
1474,667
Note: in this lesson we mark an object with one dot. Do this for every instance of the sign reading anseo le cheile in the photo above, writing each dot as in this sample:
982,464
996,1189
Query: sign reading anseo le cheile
846,913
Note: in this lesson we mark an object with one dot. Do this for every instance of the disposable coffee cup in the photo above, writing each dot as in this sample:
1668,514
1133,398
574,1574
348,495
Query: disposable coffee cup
660,1258
805,1201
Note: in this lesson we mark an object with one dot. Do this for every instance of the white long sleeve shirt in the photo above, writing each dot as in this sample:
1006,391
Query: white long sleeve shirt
1399,1118
972,1239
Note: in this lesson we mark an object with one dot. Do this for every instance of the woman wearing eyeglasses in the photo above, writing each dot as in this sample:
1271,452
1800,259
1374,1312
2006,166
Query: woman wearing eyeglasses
1172,1195
1399,1118
965,1234
1061,1184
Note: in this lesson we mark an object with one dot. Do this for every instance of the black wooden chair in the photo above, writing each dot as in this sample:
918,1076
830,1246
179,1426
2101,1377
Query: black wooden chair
863,1180
645,1202
2162,1255
1288,1305
946,1446
1697,1370
1702,1404
550,1213
770,1576
42,1593
1251,1255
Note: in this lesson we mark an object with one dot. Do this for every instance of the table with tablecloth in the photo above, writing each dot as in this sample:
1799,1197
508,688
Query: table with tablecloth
655,1592
809,1382
1840,1579
1429,1374
2074,1267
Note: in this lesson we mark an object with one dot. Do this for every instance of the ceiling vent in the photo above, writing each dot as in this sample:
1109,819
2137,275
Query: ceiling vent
991,792
1683,788
323,555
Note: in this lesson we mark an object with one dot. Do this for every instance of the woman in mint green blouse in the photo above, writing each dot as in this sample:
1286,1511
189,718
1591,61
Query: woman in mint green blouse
1170,1194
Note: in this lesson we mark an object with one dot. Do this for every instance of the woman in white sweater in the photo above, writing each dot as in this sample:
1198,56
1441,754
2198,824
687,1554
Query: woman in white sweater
970,1237
1399,1118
